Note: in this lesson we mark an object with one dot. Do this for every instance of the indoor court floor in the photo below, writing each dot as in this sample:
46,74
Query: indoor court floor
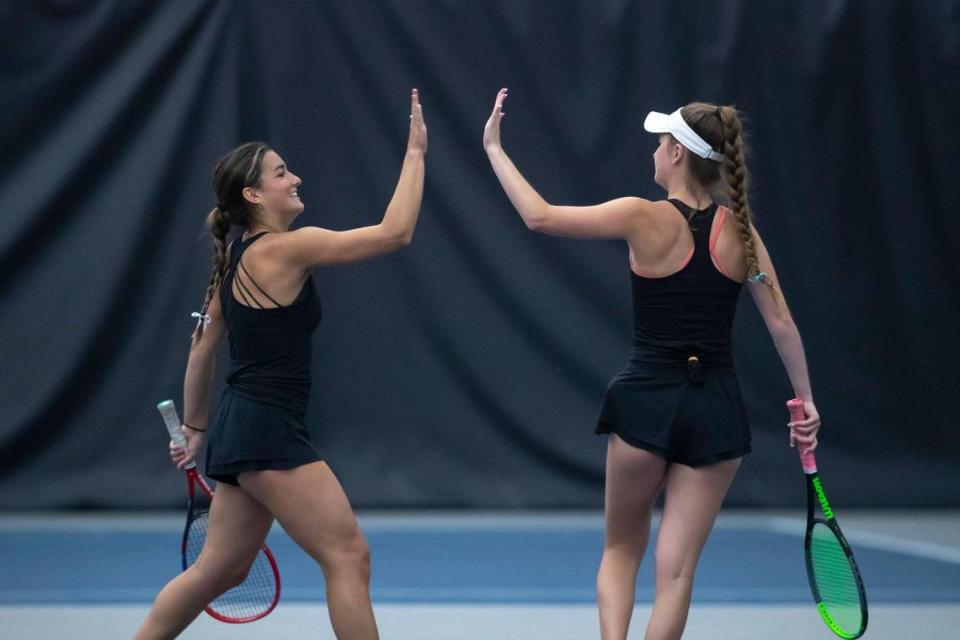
484,576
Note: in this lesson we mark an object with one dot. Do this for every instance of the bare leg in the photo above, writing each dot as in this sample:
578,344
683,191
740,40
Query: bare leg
311,506
238,524
692,501
634,478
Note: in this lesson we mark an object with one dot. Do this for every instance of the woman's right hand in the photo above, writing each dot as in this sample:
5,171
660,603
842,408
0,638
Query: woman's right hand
491,132
418,129
803,433
184,456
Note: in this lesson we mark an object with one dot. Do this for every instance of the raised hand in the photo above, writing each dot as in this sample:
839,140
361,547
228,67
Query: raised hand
491,132
418,129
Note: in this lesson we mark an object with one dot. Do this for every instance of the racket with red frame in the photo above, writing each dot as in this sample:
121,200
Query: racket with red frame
834,578
259,593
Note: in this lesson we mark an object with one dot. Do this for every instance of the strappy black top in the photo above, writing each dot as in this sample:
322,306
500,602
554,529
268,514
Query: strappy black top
270,347
687,313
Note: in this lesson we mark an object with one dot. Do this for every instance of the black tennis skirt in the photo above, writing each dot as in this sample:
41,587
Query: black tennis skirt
693,422
248,435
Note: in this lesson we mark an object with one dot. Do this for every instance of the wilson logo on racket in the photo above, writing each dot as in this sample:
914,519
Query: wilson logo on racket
822,499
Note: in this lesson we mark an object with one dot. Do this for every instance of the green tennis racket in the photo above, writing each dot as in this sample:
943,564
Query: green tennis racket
834,578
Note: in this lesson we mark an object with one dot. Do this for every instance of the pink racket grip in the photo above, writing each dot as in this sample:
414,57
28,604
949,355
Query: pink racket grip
795,407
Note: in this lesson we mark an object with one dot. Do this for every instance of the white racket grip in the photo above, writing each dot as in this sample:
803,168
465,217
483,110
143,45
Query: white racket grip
170,418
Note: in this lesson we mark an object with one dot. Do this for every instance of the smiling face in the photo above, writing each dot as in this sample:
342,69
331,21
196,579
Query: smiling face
278,189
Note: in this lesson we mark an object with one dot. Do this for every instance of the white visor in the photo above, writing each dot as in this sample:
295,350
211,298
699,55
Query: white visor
675,125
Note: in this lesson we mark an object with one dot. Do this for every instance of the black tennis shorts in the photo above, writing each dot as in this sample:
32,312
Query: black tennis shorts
247,435
693,422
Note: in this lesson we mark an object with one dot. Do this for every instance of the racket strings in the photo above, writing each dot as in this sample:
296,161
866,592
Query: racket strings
251,598
835,580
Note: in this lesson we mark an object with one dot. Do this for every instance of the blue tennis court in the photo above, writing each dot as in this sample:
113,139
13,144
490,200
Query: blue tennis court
510,572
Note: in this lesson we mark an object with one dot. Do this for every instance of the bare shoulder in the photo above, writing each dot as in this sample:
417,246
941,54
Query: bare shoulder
664,222
283,246
728,250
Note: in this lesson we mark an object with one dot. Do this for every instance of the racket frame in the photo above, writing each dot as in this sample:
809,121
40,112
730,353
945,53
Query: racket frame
817,498
171,420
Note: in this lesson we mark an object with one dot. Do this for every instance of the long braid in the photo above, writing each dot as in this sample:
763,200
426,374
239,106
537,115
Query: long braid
218,223
737,178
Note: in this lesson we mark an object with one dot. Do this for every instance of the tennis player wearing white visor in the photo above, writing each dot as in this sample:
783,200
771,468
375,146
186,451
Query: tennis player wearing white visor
674,417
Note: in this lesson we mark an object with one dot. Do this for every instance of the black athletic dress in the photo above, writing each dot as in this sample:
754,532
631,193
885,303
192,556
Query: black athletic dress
678,395
259,423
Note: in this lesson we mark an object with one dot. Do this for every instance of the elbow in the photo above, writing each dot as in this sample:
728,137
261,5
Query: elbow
535,224
538,220
402,239
782,326
393,237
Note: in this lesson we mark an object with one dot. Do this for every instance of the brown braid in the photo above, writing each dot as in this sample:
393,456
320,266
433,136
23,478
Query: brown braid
722,128
218,222
233,172
738,183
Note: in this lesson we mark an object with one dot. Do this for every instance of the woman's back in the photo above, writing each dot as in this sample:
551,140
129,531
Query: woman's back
688,310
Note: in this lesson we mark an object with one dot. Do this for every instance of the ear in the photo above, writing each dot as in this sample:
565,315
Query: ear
250,195
677,153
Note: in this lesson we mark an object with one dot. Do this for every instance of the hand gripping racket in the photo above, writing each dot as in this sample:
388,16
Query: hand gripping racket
259,592
834,578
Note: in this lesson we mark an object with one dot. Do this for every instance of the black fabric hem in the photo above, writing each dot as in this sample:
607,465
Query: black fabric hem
228,472
738,452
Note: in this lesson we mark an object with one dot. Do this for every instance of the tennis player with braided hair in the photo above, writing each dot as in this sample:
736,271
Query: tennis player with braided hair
262,296
674,414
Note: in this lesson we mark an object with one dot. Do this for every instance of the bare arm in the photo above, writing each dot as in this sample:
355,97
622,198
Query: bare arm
198,383
618,218
311,246
786,338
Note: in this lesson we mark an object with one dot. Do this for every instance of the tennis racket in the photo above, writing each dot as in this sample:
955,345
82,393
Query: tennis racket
834,578
259,593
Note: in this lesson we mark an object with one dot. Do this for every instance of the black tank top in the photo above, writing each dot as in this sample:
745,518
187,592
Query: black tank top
688,313
270,348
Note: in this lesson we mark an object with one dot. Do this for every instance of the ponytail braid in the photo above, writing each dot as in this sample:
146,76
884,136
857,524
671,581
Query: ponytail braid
218,223
737,178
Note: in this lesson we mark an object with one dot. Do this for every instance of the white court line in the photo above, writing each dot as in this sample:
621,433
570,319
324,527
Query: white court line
880,541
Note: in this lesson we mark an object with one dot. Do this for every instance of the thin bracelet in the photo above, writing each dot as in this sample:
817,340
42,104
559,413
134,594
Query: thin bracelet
194,428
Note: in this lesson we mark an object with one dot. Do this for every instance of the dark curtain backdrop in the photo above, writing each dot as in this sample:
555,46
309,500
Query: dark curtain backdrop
467,369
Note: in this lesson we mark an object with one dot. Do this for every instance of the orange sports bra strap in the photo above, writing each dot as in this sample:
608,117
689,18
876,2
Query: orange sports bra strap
720,218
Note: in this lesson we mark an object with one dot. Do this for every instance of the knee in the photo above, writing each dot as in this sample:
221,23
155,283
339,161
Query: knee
351,551
220,578
622,552
235,577
672,564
